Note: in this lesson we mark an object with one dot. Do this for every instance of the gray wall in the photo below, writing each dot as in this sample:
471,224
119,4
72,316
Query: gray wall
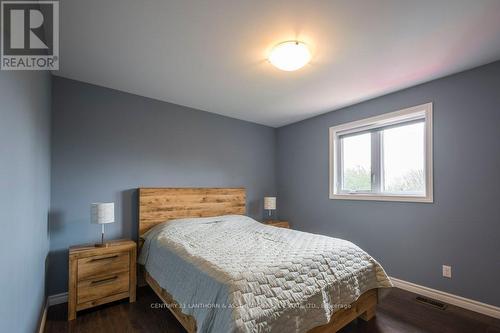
413,240
107,143
24,197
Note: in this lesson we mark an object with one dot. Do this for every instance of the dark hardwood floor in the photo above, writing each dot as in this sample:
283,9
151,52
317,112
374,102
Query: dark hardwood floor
397,312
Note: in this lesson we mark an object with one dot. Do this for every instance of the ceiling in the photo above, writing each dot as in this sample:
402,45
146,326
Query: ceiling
211,55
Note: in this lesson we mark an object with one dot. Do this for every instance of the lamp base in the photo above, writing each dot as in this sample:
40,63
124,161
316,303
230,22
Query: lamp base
102,245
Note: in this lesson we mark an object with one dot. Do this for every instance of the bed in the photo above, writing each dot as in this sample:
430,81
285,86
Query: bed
234,274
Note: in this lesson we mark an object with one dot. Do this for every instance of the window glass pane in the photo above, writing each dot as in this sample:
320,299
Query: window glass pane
403,159
356,162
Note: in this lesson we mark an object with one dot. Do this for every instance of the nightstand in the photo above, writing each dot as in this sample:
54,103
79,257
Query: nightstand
278,223
99,275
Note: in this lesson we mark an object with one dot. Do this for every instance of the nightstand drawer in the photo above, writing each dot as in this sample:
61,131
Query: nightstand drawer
106,285
104,264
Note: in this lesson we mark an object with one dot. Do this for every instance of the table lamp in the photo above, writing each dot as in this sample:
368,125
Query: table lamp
102,213
270,204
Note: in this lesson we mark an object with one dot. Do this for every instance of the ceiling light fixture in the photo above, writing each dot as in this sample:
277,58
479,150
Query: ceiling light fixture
290,56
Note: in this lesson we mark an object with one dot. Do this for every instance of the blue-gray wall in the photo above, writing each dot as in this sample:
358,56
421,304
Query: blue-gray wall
413,240
24,197
107,143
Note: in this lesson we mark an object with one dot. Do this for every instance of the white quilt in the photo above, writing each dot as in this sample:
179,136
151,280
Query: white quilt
234,274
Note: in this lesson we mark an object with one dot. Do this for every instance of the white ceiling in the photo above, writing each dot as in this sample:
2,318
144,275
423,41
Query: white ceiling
211,55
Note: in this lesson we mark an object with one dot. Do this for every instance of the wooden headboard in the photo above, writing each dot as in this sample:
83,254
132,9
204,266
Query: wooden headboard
158,205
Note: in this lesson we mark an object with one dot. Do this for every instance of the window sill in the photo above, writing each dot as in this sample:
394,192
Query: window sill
369,197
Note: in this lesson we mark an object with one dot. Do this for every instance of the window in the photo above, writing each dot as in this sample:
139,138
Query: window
388,157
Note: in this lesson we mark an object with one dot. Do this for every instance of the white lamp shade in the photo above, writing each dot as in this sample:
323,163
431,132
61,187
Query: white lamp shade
103,212
270,203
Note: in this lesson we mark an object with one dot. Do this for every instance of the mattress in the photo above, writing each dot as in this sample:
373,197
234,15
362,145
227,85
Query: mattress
234,274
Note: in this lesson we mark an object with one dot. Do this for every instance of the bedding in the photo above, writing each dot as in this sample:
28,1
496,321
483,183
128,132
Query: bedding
234,274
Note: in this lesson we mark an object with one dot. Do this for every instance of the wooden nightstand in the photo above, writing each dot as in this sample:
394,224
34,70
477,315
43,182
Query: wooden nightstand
278,223
99,275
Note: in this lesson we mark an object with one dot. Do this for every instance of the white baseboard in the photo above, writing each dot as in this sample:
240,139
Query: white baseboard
43,319
469,304
57,299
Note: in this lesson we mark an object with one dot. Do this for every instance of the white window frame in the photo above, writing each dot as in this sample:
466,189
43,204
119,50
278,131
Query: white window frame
423,111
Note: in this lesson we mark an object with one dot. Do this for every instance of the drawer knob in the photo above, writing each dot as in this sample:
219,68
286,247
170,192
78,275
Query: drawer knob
102,281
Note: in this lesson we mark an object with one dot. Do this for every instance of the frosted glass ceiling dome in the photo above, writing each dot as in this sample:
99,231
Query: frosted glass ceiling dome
290,56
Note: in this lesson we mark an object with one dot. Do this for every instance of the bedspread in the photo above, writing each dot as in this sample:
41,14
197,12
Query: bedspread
234,274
